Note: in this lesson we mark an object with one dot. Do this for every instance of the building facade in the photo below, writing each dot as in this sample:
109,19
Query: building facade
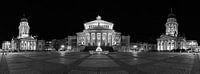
6,45
191,44
13,45
27,42
170,40
40,45
72,41
98,32
125,40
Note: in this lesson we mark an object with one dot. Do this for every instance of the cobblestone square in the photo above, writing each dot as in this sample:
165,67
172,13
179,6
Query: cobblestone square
112,63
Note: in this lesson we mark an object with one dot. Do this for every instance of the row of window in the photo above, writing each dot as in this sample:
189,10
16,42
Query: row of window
92,26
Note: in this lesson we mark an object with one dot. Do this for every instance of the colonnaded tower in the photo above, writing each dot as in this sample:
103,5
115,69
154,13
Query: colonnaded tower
171,25
23,28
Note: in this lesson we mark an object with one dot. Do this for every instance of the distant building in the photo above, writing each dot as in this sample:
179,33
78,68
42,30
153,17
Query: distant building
142,46
170,40
98,32
14,45
40,45
191,44
72,41
49,45
125,40
6,45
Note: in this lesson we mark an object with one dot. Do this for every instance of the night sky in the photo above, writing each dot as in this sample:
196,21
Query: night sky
142,20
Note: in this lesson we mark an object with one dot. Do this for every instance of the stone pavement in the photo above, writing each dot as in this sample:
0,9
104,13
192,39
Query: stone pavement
113,63
3,65
196,66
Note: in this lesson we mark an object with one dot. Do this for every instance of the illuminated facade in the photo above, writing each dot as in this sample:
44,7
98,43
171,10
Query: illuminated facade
170,40
13,45
6,45
98,32
26,42
191,44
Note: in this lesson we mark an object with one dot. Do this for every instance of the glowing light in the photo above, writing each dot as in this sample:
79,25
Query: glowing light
62,46
135,46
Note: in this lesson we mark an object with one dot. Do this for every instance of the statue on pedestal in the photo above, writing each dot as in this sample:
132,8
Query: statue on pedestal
98,48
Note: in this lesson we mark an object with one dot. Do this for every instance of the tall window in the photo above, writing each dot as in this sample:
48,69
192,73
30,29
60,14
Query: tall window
93,36
104,36
98,36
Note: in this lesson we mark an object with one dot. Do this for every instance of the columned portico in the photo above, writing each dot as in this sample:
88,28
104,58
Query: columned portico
170,39
98,32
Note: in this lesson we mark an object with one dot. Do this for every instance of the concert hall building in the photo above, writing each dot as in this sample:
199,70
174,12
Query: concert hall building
98,32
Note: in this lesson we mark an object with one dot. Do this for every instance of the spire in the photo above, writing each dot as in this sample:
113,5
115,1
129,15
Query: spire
98,17
171,10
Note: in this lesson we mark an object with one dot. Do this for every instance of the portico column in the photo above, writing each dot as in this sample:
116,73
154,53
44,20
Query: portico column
90,39
161,45
168,45
158,47
25,45
31,45
171,45
165,45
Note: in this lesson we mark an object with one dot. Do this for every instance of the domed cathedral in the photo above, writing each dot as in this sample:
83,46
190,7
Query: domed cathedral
26,42
170,40
23,28
171,25
98,32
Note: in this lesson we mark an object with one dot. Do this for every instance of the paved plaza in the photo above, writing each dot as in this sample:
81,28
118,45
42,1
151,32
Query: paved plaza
112,63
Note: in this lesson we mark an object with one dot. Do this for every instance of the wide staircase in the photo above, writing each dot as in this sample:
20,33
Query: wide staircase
104,48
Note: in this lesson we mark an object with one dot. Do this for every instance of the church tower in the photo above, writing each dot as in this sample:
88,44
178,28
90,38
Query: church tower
23,28
171,25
